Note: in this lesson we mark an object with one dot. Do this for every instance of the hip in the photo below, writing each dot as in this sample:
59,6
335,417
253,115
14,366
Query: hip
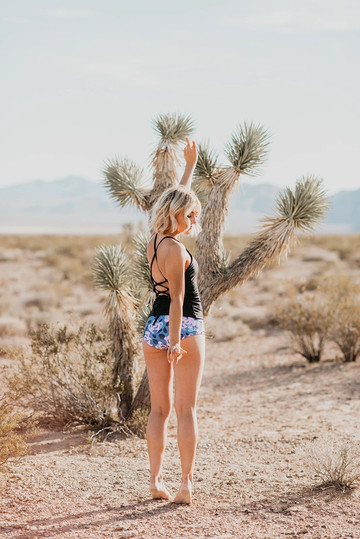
156,331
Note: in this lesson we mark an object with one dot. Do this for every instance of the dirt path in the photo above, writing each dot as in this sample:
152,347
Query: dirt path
258,407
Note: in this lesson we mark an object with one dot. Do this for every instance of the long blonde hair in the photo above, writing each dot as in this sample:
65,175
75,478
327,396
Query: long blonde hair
172,202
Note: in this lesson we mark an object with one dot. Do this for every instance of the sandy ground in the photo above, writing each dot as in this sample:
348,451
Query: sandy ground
260,406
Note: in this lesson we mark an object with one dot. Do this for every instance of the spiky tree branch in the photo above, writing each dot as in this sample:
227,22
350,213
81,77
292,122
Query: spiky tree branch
247,151
123,178
123,181
301,209
171,129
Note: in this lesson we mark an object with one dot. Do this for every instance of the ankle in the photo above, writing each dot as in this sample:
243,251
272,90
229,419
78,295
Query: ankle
187,478
156,477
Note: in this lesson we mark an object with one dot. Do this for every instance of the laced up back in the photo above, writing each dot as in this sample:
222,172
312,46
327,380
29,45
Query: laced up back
165,291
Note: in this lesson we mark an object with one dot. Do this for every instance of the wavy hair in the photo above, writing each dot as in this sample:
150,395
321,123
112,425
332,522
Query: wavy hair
172,202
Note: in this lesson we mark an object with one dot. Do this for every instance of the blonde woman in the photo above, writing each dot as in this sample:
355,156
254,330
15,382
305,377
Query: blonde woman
174,335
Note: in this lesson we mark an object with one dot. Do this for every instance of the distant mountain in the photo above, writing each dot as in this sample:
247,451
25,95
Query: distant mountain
76,205
345,208
70,204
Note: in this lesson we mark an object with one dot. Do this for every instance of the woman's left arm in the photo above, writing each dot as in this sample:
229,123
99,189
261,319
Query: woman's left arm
191,156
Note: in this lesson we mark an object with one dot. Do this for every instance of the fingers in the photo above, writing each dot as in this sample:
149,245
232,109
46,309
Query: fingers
188,146
173,357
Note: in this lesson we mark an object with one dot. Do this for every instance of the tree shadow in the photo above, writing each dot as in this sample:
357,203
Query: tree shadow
276,376
308,497
56,440
58,526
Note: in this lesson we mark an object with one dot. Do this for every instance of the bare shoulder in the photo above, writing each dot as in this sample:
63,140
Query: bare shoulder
175,254
173,247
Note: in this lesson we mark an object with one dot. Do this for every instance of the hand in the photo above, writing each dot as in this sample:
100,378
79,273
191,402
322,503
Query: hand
174,353
190,152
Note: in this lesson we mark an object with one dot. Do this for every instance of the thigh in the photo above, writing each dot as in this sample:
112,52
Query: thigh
160,378
188,371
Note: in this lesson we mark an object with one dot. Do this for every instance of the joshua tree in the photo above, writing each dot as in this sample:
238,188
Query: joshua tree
128,281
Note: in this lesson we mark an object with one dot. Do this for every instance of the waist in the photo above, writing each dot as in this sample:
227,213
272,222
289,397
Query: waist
191,306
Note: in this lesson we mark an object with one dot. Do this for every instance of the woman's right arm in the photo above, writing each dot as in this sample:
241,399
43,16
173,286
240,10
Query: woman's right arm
191,157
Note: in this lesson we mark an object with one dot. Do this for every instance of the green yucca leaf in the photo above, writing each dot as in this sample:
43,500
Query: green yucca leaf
306,205
206,165
173,127
141,269
143,315
111,268
123,180
205,170
248,148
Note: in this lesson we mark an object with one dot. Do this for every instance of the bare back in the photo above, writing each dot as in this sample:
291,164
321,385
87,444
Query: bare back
158,266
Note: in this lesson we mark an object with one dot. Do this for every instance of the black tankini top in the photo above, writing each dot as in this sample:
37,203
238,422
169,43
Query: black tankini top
192,304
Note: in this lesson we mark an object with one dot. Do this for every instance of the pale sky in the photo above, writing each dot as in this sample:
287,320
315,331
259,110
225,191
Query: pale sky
82,80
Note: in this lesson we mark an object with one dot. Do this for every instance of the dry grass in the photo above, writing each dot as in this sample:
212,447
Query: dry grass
12,436
335,462
307,319
66,376
11,326
347,246
322,309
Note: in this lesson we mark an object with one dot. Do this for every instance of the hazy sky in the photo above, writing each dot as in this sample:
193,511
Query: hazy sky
82,80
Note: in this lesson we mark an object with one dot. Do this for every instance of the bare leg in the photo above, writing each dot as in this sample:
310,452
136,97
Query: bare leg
188,374
160,382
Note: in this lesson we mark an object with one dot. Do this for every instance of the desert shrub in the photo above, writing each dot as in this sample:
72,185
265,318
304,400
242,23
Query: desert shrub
138,422
345,329
12,437
347,246
42,301
343,294
307,319
336,462
11,326
67,376
10,255
227,329
331,311
310,284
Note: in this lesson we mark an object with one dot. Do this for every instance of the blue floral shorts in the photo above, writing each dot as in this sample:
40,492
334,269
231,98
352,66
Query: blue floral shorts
156,332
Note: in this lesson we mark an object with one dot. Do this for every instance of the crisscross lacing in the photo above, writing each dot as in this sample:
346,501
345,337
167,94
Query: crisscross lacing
165,291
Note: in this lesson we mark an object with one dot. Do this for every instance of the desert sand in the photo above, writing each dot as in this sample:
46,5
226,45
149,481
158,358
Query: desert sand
261,406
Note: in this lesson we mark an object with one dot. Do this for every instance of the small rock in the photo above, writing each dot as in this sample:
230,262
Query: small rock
296,509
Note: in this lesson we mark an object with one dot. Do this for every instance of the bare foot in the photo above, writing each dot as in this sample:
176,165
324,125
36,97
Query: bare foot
158,489
184,494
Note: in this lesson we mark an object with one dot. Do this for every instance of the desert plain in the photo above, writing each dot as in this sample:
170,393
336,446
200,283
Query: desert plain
261,409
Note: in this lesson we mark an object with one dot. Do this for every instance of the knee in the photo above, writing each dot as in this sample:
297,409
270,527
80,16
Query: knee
185,410
161,412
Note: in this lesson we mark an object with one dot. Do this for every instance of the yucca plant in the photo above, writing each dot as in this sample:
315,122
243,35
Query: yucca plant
246,151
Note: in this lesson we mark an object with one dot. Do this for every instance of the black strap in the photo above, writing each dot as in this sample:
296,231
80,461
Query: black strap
164,292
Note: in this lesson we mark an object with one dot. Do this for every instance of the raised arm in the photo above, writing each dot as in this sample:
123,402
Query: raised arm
191,156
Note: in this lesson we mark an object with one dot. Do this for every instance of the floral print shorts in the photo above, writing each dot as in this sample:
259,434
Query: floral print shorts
156,332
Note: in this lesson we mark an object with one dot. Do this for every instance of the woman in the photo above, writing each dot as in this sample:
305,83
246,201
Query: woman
174,335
